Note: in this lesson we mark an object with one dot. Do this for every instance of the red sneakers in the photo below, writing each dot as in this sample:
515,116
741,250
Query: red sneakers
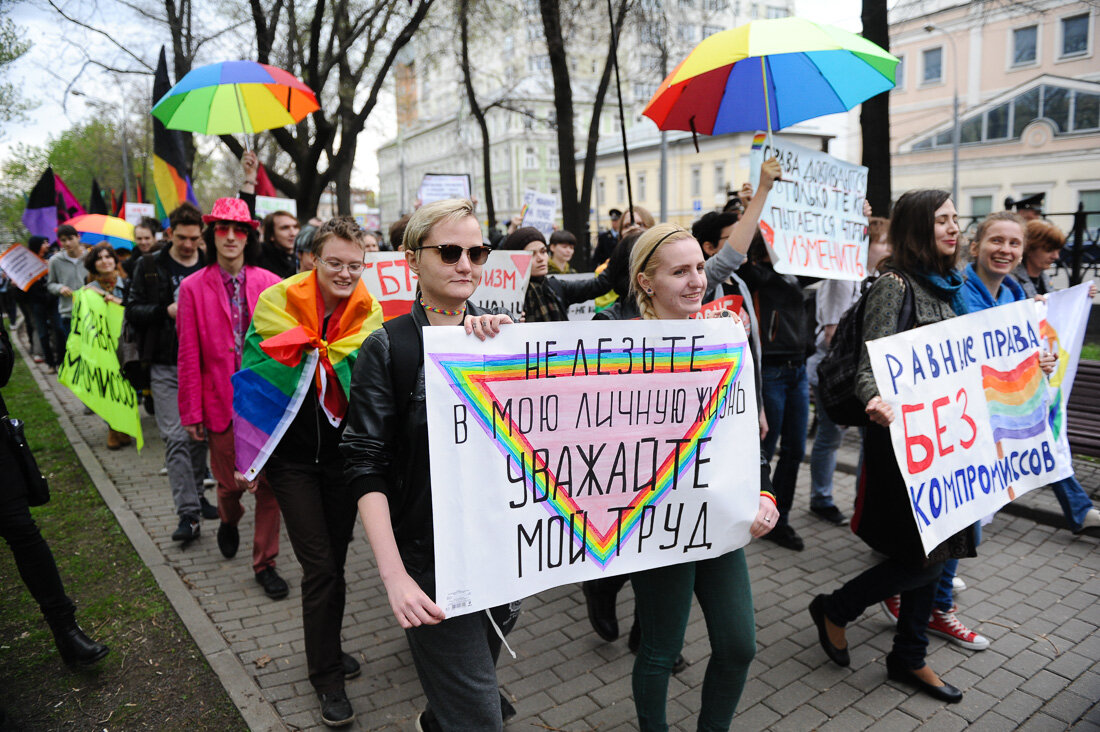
947,625
890,606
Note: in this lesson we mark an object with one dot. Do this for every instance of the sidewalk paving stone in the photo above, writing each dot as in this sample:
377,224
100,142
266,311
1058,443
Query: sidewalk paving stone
1034,591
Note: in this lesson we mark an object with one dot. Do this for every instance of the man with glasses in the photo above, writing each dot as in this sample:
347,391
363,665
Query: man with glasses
215,310
152,309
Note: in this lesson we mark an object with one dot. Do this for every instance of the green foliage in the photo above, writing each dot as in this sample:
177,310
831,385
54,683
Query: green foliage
12,46
1090,352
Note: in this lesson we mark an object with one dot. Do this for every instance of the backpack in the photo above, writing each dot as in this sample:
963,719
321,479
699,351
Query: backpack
836,374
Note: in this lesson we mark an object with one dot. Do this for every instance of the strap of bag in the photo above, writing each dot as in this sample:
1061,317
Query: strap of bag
406,357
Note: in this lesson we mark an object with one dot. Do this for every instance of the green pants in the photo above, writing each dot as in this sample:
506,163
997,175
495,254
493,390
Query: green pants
663,601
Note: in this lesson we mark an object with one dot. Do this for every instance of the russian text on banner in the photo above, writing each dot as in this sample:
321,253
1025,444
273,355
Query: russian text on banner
90,367
563,452
813,218
442,187
539,210
22,266
392,282
971,409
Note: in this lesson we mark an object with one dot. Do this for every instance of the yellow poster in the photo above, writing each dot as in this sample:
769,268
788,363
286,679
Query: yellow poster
90,368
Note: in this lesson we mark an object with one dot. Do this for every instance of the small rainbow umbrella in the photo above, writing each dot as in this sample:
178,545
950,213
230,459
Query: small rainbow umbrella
95,228
235,96
770,74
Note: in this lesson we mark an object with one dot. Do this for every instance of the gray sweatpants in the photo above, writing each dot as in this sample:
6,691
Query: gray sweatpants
184,458
456,663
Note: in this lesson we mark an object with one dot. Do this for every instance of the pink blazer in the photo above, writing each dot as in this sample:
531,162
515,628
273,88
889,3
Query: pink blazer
206,352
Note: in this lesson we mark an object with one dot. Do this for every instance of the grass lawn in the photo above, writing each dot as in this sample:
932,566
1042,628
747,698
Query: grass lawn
155,677
1090,352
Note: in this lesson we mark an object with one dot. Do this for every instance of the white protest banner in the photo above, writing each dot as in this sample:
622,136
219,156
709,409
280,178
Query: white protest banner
539,210
503,282
1062,331
22,266
813,219
579,310
563,452
443,186
970,429
135,212
270,204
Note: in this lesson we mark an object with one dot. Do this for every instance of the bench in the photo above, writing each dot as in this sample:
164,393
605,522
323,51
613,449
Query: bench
1084,410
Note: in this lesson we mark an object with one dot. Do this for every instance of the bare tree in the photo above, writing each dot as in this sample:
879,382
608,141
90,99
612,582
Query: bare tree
477,112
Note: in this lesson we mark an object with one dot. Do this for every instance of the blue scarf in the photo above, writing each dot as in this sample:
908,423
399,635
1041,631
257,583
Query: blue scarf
947,287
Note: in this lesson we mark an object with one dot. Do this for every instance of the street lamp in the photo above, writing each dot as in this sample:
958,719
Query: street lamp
955,111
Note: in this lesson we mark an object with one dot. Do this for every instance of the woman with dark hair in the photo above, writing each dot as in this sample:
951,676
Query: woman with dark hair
562,245
215,310
668,280
548,298
925,234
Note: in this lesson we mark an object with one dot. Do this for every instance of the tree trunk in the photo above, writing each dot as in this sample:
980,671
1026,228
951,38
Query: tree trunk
874,117
479,115
574,218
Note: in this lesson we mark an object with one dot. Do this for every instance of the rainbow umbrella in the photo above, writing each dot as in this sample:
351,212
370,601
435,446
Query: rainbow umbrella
95,228
770,74
235,96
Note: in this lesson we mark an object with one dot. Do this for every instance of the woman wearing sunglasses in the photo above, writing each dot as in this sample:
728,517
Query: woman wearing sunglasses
214,312
385,448
668,281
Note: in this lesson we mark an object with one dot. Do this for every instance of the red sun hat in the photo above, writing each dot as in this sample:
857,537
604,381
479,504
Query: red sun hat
230,209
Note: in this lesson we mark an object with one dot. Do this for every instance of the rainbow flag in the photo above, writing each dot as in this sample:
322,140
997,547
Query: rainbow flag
286,353
472,377
1016,399
758,140
171,179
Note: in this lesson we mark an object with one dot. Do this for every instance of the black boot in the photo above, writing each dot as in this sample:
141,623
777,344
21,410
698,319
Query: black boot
76,648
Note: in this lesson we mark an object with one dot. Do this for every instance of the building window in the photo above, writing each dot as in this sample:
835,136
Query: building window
1091,202
933,65
685,32
775,12
620,189
641,187
601,192
710,30
1025,45
899,72
981,206
551,158
696,181
1075,35
531,159
719,179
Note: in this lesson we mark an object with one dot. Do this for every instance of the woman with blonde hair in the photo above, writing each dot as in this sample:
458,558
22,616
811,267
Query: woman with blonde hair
668,280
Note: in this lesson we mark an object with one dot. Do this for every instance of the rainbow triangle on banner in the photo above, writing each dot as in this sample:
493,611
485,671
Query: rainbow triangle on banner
472,378
1016,400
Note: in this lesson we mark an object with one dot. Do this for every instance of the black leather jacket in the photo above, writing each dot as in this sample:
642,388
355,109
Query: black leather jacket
147,308
387,452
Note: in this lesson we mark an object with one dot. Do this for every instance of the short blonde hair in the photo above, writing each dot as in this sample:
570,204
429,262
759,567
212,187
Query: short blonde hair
645,254
427,216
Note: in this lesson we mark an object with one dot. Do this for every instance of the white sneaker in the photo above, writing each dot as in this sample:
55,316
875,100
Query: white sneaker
1091,525
957,584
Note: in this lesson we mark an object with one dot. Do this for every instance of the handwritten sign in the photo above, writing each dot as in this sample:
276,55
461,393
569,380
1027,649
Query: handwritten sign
813,219
135,212
579,310
539,210
443,186
22,266
270,204
90,367
971,407
717,308
503,285
563,452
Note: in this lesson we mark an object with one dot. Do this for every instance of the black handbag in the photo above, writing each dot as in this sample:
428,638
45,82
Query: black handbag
11,432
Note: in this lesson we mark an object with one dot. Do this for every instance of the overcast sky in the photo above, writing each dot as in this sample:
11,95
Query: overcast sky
50,67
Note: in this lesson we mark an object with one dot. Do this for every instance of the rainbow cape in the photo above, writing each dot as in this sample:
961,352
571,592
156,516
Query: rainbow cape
285,354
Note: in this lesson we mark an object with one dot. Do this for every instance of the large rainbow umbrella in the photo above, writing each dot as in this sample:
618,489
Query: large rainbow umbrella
95,228
235,96
770,74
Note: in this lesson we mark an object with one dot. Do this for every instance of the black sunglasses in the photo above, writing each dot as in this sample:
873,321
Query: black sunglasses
451,253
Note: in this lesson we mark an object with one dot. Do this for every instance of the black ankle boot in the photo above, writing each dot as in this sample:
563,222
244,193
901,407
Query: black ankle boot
76,648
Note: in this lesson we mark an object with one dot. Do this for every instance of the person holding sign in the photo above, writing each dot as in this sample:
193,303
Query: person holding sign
385,448
101,261
548,298
925,234
668,280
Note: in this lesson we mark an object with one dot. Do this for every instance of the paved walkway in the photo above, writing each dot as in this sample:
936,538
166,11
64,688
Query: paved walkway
1034,591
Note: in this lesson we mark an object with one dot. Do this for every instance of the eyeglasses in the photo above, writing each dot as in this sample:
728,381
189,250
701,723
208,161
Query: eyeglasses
336,267
223,229
451,253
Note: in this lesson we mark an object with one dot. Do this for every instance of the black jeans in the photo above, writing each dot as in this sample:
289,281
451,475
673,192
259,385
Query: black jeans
47,324
320,515
917,587
31,552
